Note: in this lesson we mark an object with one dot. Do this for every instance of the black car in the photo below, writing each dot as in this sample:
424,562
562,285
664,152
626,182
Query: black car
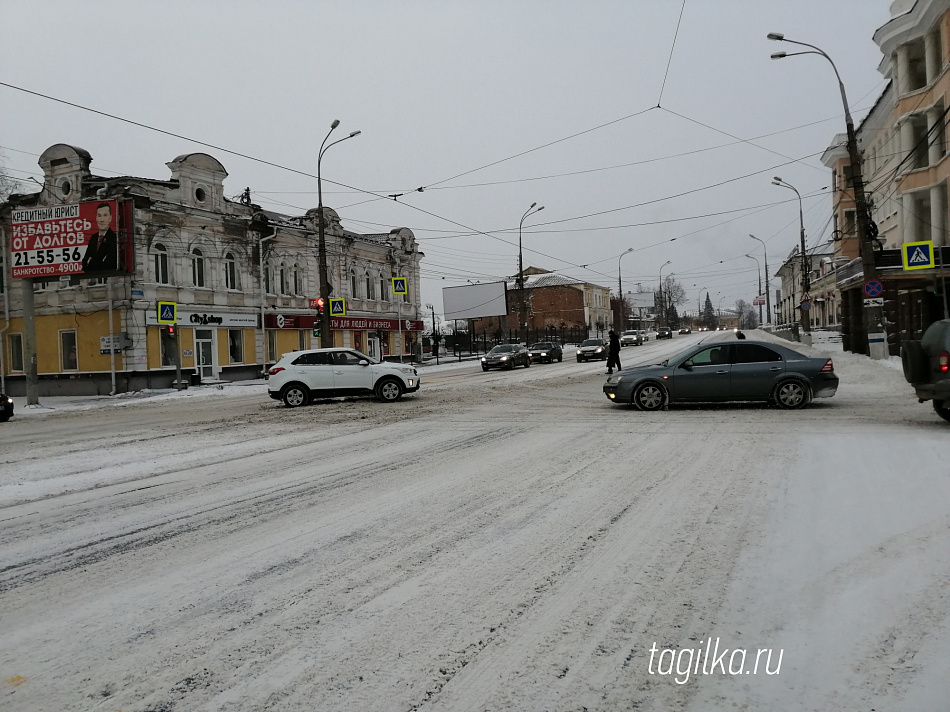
726,371
664,332
546,351
927,366
506,356
6,408
592,349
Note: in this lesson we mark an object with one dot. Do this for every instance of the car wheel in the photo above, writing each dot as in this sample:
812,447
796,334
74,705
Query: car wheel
4,418
578,359
295,395
484,368
649,396
527,364
942,408
790,394
914,362
389,390
560,358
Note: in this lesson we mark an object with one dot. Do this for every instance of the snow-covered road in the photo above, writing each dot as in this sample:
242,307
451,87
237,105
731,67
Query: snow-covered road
500,541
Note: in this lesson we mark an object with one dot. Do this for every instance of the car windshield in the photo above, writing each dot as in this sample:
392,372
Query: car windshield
541,346
593,342
503,349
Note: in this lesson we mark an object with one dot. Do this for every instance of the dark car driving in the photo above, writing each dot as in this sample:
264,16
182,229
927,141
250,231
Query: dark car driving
927,366
506,356
546,351
726,371
664,332
6,408
592,349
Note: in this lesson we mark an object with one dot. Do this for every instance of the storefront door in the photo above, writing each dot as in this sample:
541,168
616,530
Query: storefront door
204,353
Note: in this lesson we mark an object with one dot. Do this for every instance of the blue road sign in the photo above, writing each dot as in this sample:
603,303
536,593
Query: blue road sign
399,285
873,288
167,313
337,306
918,255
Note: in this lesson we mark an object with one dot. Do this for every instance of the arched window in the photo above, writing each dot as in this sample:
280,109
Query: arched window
230,271
268,280
197,268
383,292
354,293
296,279
370,287
160,263
282,282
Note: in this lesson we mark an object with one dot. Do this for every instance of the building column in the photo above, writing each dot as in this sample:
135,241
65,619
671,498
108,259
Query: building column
938,218
935,131
908,219
931,56
902,74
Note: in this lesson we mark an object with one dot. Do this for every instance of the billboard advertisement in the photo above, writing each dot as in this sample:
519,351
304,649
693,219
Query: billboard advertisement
474,300
81,239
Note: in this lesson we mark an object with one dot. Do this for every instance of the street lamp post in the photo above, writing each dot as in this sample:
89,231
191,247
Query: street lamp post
758,269
522,319
867,230
435,342
325,339
768,282
719,311
806,269
623,323
662,305
699,308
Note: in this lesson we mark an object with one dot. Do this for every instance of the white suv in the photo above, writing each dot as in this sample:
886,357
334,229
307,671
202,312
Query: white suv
300,376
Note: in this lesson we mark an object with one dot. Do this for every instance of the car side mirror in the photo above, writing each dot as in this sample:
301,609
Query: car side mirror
364,362
688,365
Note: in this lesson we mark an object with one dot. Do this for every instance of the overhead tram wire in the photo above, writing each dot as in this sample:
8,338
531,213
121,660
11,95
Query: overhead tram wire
670,60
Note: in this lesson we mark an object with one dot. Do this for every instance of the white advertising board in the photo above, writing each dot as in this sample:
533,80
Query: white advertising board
472,301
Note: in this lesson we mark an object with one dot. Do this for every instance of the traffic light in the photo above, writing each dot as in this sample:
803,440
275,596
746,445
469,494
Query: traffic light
316,330
320,305
171,330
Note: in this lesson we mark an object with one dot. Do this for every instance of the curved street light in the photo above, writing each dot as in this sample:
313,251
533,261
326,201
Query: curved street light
623,322
768,282
662,305
699,309
806,277
867,230
522,320
325,339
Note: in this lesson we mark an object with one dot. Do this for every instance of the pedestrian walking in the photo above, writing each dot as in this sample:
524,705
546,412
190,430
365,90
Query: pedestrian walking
613,352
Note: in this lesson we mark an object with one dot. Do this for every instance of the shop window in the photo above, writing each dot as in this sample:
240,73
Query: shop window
168,344
69,359
236,345
230,271
160,264
271,345
301,340
197,268
15,342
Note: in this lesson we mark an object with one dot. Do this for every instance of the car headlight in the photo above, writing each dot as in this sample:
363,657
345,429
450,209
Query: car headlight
483,359
578,352
544,353
504,358
410,371
599,349
615,379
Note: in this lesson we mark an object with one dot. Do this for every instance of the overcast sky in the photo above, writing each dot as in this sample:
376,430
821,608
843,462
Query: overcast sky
628,138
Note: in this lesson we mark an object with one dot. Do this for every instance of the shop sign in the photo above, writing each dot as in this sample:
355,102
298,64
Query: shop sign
186,318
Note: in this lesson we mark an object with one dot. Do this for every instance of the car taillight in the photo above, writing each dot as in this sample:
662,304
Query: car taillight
275,370
944,361
829,367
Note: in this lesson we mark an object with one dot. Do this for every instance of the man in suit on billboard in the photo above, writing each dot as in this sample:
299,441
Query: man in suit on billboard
102,252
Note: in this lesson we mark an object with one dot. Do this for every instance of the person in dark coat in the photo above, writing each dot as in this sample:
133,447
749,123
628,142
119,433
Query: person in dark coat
102,252
613,351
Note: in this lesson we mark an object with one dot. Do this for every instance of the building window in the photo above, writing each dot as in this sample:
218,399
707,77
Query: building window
301,339
15,342
296,279
369,287
267,279
353,284
161,264
230,271
282,273
69,359
383,292
197,268
271,345
236,345
405,297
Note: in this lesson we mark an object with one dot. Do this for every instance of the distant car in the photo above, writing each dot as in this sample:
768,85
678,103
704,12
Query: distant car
592,349
685,330
300,376
6,408
631,338
506,356
651,334
730,371
664,332
927,366
644,335
545,351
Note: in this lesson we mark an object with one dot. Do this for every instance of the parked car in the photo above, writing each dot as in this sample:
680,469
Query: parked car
545,351
927,366
664,332
685,330
300,376
592,349
726,371
631,338
6,408
506,356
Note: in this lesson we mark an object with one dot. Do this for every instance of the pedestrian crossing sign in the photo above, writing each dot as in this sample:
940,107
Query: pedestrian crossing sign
918,255
337,306
167,313
399,285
